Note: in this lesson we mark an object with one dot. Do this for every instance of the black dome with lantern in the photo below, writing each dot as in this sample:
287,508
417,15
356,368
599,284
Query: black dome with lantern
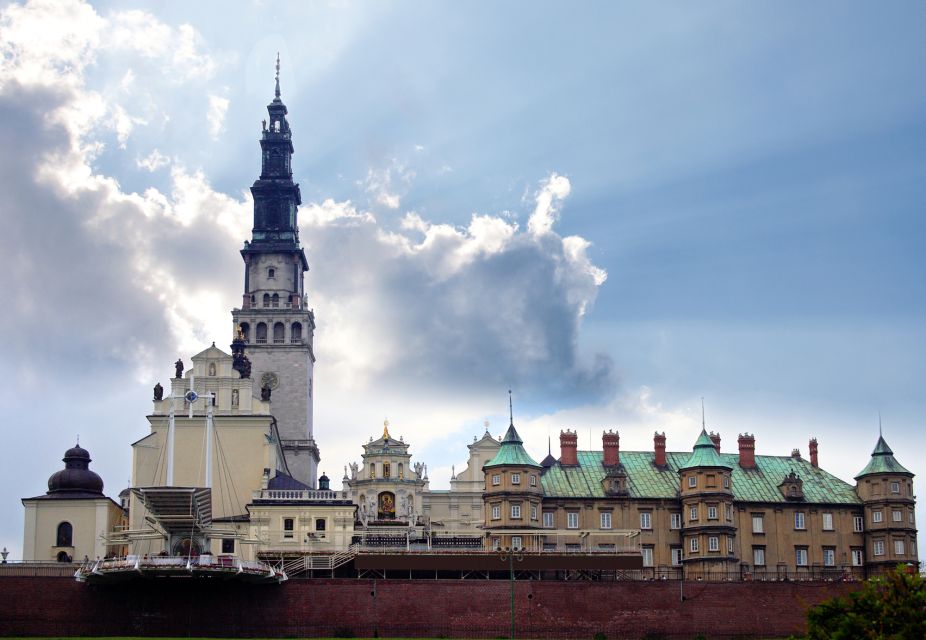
76,479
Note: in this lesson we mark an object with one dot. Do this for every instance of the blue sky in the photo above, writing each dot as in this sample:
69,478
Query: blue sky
748,177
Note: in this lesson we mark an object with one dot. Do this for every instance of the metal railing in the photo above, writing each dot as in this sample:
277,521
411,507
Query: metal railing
298,494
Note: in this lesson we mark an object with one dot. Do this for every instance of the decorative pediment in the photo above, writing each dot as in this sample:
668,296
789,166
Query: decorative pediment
792,487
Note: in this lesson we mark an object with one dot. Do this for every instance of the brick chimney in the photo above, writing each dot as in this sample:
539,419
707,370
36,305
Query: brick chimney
747,444
659,444
715,438
611,442
813,452
568,445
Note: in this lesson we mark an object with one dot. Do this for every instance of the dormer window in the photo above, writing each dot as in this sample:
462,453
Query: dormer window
792,487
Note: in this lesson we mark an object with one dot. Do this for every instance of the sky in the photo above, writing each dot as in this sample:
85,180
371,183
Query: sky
613,209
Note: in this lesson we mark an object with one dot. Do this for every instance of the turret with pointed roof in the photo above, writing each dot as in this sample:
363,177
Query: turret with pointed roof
882,461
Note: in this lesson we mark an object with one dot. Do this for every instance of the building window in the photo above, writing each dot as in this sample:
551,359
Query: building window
858,524
898,547
647,556
675,521
496,479
548,519
266,300
573,547
320,524
275,300
729,513
228,545
800,556
295,334
693,545
897,515
279,333
572,519
516,542
516,511
729,544
261,333
827,521
713,543
496,544
287,527
758,523
726,482
533,512
606,546
65,535
496,512
646,520
877,516
387,470
515,478
533,480
758,556
799,520
911,516
829,556
271,272
711,512
676,556
245,331
879,547
692,481
895,487
605,519
693,513
856,557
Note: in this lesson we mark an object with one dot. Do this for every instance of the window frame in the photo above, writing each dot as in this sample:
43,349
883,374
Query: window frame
858,524
572,519
712,512
496,479
692,482
877,516
515,478
800,521
756,553
693,513
605,519
758,518
713,543
646,520
829,556
693,545
515,511
551,516
496,512
648,554
675,520
899,547
877,547
827,521
801,557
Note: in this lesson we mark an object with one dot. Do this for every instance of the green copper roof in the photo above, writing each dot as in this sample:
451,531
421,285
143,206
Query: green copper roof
882,461
647,481
511,452
705,454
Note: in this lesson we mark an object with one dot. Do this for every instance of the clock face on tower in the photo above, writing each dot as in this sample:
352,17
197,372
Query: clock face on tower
269,379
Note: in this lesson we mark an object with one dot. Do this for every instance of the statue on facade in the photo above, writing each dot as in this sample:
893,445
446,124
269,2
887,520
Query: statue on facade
354,470
178,368
265,393
240,362
158,392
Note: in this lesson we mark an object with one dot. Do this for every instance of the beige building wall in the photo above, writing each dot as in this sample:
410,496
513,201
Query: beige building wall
90,519
316,528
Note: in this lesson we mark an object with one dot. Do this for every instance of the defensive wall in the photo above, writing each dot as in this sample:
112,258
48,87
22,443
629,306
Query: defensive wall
59,606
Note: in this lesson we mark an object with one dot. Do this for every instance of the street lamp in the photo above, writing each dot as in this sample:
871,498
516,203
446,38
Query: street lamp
4,553
511,554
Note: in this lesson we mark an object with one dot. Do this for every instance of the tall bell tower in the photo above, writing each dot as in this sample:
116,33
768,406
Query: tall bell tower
274,317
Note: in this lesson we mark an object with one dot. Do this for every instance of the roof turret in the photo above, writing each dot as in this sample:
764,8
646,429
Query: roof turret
882,461
704,454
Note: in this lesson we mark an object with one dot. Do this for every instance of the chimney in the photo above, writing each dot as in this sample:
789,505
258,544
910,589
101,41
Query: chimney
568,444
659,444
813,452
796,453
747,445
715,438
611,442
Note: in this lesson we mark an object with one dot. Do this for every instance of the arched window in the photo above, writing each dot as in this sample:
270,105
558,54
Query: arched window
261,333
271,272
278,330
63,556
65,535
246,331
275,301
296,333
266,299
320,524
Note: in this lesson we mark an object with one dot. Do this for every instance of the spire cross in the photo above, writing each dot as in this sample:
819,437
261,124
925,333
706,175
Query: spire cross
510,409
277,92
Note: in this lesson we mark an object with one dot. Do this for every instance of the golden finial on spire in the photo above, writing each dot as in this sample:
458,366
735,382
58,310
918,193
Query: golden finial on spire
277,93
386,429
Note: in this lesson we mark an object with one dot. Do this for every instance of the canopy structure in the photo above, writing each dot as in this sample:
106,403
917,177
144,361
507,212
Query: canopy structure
179,511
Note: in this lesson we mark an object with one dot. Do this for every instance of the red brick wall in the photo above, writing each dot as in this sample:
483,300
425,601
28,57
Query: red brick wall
462,608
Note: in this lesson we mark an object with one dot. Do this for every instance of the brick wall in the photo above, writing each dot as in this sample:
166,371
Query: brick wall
44,606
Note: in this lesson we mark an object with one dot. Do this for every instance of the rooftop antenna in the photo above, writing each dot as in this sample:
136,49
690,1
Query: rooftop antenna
510,408
78,435
880,432
703,423
277,92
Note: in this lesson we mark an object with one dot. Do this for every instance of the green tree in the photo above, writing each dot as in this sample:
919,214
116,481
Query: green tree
892,607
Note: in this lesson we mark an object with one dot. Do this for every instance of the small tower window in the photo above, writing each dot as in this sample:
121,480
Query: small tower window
296,333
266,299
65,535
278,330
261,333
275,300
246,331
271,272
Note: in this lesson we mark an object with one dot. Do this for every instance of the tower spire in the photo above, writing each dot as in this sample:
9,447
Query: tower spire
703,423
510,409
277,90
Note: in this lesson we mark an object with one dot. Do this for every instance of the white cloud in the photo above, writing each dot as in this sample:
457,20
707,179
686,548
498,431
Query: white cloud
153,161
218,107
385,183
549,199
